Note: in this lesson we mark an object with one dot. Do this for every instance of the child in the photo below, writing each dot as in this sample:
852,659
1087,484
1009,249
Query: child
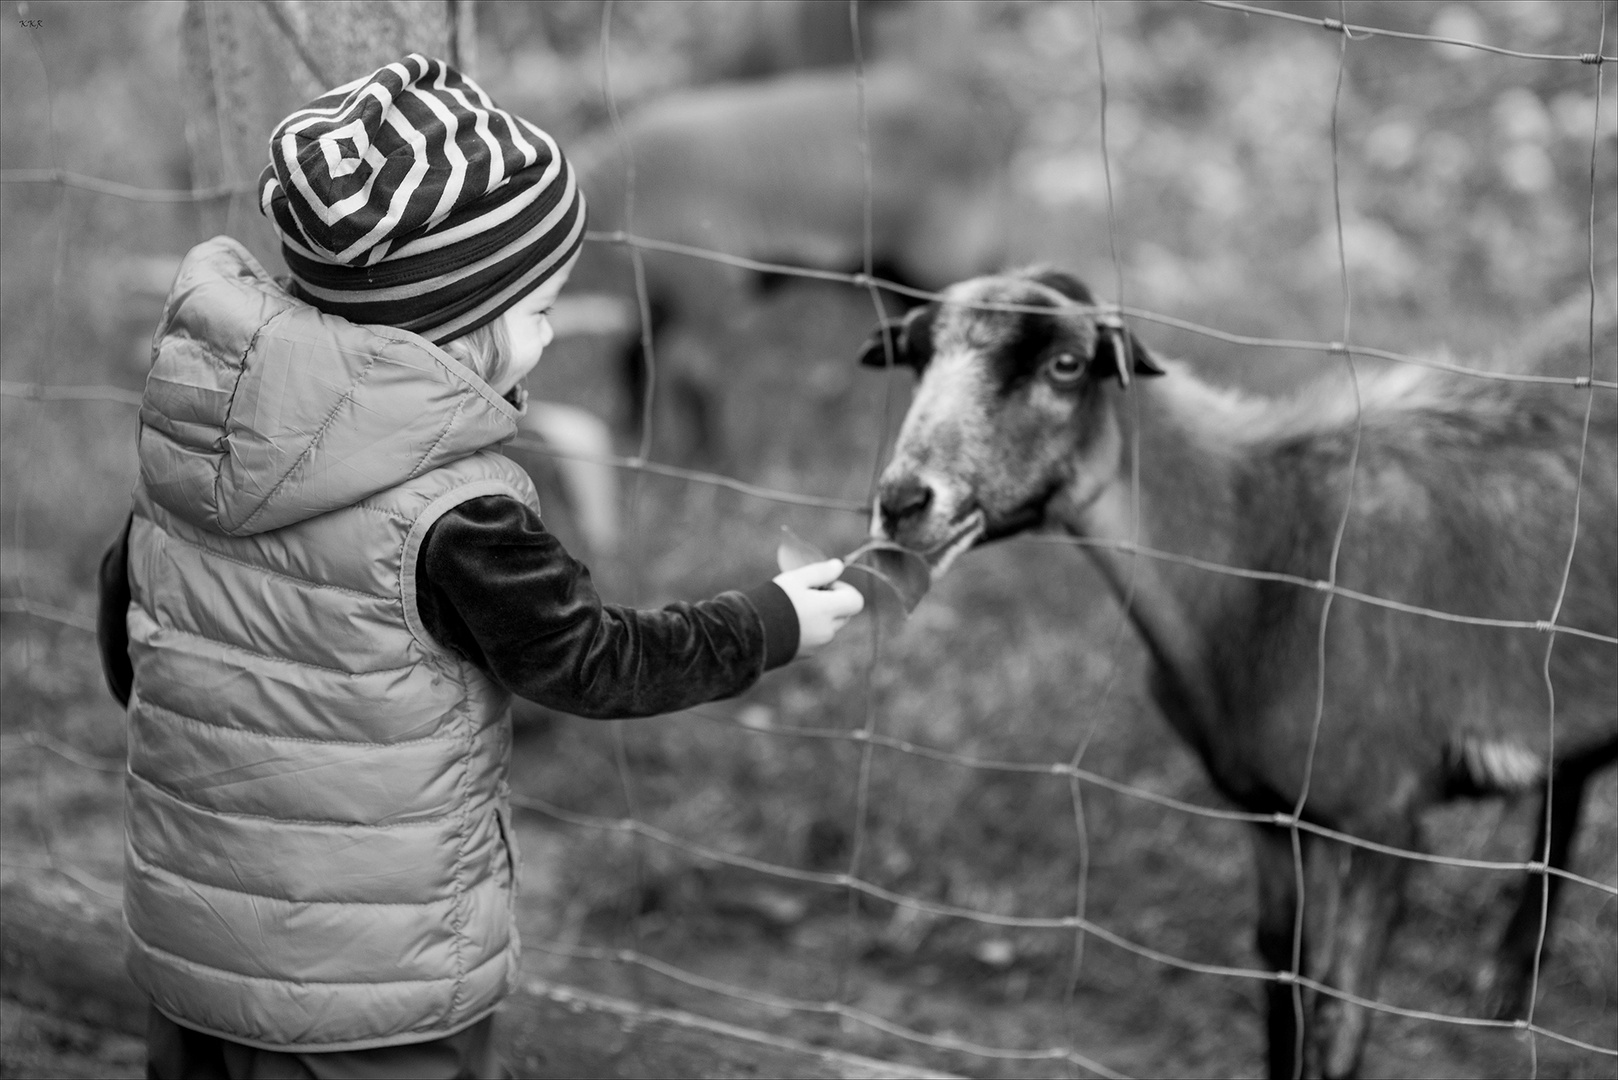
332,583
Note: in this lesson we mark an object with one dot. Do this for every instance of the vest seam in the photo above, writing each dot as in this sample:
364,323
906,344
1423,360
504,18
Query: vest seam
175,958
319,823
448,1024
460,406
320,433
230,406
397,519
291,738
460,846
454,368
150,865
460,941
211,553
267,656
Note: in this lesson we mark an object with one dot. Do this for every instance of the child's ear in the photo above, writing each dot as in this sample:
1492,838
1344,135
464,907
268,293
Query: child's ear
906,342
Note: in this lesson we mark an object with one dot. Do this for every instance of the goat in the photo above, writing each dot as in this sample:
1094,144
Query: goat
771,170
1463,501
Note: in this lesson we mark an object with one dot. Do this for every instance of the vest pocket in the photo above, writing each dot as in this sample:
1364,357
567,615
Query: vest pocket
508,843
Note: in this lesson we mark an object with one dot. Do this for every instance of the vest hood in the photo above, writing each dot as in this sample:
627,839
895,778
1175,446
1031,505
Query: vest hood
261,411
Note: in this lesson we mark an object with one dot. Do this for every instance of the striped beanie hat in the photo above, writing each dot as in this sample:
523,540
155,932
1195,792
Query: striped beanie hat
408,198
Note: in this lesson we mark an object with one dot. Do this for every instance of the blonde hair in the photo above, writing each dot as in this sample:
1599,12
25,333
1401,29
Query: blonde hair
486,350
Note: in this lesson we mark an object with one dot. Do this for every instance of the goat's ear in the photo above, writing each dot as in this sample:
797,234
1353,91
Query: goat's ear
1120,354
908,341
884,341
1064,283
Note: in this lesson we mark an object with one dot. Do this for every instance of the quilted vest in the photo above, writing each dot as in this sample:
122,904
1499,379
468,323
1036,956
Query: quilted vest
318,848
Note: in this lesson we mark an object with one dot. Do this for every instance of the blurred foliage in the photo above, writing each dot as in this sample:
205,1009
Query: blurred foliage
1465,186
1465,176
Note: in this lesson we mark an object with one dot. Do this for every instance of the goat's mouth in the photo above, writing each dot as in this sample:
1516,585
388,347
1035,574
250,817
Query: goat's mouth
966,531
1030,515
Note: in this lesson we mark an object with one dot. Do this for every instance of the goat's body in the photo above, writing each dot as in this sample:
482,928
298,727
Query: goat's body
1463,503
1466,497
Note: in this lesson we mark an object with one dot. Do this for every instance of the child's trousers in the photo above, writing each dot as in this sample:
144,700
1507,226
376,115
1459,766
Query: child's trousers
178,1053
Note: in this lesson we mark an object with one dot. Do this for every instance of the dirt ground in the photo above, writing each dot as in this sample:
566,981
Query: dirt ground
1135,1017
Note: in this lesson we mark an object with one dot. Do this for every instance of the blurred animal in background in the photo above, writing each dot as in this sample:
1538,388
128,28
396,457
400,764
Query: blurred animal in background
1466,496
772,170
753,39
581,446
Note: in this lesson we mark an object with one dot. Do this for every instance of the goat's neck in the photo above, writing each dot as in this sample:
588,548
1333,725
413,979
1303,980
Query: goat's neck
1176,430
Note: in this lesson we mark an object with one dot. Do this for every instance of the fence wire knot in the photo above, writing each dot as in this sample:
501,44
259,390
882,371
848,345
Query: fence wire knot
1591,58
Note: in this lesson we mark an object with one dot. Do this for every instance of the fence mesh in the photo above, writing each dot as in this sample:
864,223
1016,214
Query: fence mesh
46,626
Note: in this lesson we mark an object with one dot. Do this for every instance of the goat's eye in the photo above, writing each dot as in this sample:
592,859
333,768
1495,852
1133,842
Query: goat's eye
1064,368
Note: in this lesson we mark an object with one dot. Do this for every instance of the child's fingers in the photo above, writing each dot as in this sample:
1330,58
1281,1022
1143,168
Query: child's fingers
836,603
812,576
846,600
823,604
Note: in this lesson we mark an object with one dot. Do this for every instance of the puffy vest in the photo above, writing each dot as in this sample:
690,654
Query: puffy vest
318,847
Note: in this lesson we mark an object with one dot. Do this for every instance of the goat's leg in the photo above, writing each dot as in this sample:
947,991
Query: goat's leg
690,418
1371,889
635,374
1277,925
1325,868
1509,980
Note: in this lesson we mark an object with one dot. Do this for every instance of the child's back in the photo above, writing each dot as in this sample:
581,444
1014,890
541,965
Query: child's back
333,582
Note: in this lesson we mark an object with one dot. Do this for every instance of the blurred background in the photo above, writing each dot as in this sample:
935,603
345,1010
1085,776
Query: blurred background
1466,205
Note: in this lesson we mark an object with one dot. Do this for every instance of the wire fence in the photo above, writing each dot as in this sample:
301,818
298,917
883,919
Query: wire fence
866,737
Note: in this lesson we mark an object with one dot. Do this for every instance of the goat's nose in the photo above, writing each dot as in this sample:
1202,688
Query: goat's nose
903,500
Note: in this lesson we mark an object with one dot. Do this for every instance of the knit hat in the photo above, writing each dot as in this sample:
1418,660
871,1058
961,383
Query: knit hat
408,198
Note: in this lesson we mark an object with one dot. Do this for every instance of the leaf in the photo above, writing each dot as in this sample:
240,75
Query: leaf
904,575
795,551
893,579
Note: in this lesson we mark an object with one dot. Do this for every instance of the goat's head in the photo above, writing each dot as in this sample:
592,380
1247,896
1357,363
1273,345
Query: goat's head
1011,410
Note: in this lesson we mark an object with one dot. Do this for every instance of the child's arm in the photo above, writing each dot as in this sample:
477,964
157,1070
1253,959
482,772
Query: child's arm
112,614
499,589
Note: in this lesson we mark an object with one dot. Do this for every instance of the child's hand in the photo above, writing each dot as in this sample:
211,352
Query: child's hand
822,602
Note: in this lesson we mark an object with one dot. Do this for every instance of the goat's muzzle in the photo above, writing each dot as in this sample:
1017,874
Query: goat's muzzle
908,513
902,503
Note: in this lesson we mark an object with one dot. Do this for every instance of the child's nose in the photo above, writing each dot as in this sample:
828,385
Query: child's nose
546,334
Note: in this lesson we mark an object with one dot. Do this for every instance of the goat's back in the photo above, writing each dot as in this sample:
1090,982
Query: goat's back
1465,497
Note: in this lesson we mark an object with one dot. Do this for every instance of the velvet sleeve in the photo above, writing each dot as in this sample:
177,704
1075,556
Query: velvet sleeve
496,587
112,613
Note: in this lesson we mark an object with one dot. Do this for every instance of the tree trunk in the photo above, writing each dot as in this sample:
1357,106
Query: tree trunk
246,65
